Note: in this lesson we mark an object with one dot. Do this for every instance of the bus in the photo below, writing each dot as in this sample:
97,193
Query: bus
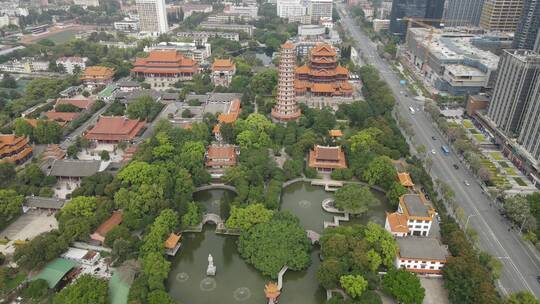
411,109
445,150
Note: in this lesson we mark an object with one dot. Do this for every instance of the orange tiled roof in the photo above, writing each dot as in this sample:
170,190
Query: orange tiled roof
221,156
164,61
223,64
172,240
335,133
327,157
323,88
61,116
287,45
108,225
323,50
302,69
32,121
10,143
98,72
398,222
232,115
84,104
405,179
115,128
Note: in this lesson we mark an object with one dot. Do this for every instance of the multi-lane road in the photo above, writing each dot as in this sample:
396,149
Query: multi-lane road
521,263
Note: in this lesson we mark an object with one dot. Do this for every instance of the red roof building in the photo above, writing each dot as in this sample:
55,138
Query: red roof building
61,117
83,104
14,149
162,68
219,158
322,76
112,129
230,117
223,71
105,227
326,159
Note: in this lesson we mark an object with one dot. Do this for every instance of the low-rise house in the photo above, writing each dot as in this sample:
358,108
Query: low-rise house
397,224
81,256
128,86
327,159
421,255
405,180
14,149
44,203
219,158
223,71
418,212
53,151
113,129
96,76
71,169
173,244
72,64
101,232
82,103
62,118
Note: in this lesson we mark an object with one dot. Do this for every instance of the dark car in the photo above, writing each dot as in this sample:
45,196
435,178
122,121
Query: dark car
433,137
456,167
538,279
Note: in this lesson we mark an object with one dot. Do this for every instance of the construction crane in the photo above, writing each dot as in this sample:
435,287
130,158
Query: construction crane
422,22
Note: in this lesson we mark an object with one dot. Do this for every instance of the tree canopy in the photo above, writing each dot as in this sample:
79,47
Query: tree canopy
86,290
404,286
245,217
355,199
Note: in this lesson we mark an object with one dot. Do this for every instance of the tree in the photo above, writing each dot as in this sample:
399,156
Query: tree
365,140
36,289
272,245
156,267
7,173
144,108
246,217
10,205
86,290
355,199
354,285
263,83
330,271
522,297
47,132
22,127
104,155
395,192
380,172
8,82
193,215
159,297
79,207
404,286
382,242
118,232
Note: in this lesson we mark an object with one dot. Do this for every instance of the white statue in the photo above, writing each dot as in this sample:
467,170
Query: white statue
211,270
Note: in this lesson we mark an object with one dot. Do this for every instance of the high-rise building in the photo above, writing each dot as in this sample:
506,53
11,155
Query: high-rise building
501,15
513,96
152,16
529,23
318,9
291,9
529,135
286,108
537,43
462,12
430,9
86,3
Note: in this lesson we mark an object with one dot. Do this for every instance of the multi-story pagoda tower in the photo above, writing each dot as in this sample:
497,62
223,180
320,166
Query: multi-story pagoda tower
286,108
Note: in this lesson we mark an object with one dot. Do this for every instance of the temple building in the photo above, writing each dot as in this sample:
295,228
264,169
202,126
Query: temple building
322,75
162,68
326,159
113,129
172,244
83,104
14,149
101,231
286,107
223,71
95,76
219,158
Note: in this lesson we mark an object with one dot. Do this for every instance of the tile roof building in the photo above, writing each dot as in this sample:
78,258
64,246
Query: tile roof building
72,168
97,76
326,159
101,231
112,129
230,117
70,64
223,71
286,107
81,103
62,118
323,76
162,68
172,244
14,149
219,158
421,255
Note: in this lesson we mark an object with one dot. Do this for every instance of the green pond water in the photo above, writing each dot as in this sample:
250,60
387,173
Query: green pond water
235,280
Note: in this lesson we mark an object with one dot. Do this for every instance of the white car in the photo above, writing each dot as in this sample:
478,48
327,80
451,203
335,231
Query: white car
466,183
433,151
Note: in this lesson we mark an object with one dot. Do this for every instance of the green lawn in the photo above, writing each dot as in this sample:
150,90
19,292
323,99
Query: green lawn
510,171
468,124
479,137
520,181
496,155
473,131
503,164
15,281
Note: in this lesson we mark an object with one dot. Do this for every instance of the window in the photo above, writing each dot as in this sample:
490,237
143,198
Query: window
423,266
431,267
424,262
426,221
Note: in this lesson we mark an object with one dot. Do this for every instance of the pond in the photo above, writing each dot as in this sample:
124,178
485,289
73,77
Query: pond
236,281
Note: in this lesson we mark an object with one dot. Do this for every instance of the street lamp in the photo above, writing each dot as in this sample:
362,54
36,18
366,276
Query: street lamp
468,218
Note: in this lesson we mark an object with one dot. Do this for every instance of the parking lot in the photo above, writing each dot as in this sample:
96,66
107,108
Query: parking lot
26,227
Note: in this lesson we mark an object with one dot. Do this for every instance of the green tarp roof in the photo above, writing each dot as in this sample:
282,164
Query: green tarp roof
55,271
118,290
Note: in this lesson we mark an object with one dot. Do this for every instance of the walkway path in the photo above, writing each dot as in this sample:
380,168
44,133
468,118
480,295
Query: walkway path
313,236
216,186
280,276
328,206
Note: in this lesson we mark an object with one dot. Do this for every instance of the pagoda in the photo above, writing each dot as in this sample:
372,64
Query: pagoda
286,108
322,75
272,292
